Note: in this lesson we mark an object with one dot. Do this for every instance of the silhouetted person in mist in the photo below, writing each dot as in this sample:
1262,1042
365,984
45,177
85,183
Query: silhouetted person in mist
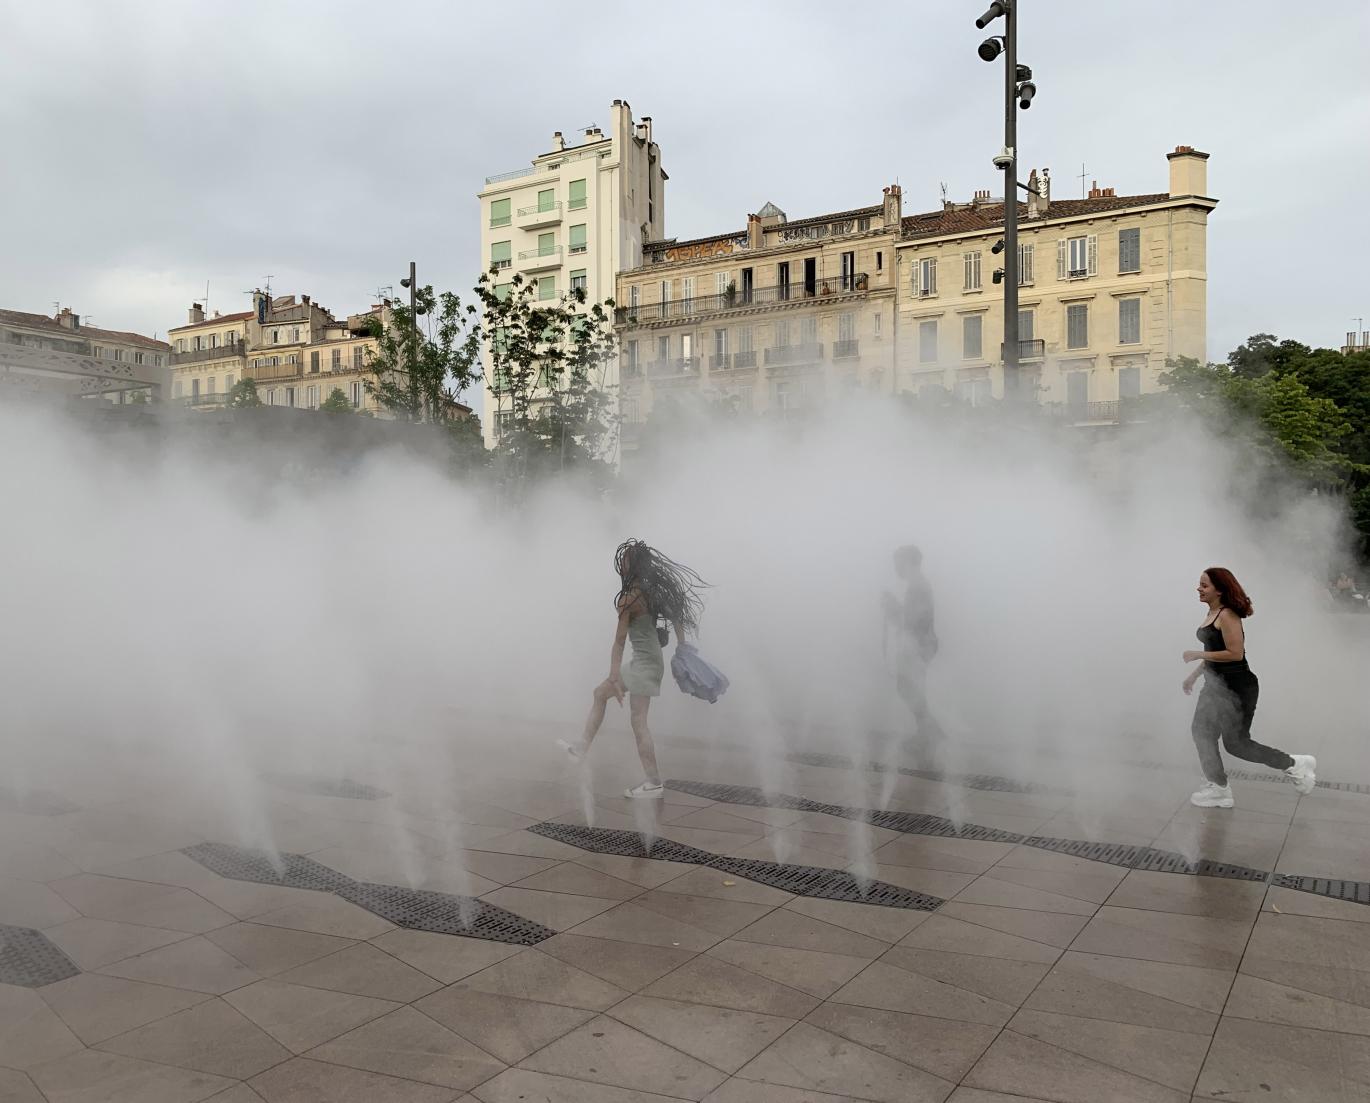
915,636
651,587
1227,702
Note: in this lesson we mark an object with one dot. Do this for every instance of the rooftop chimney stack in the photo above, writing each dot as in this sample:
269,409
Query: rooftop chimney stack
68,319
894,206
197,314
558,142
1034,201
1188,172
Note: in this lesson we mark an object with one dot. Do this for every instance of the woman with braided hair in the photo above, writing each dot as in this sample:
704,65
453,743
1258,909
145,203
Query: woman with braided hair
652,587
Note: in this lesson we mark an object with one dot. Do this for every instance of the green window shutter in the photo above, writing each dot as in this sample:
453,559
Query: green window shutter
547,199
547,287
547,244
499,212
577,195
502,291
501,254
578,238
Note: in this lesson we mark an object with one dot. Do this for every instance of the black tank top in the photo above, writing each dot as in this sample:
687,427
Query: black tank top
1211,636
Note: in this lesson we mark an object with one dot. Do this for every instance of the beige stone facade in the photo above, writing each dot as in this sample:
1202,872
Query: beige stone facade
771,317
1110,288
295,351
60,354
784,314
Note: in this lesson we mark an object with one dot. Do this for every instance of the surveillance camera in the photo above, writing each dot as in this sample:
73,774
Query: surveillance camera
1003,160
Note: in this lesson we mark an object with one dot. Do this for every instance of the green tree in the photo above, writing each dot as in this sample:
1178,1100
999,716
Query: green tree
419,370
244,393
336,402
547,361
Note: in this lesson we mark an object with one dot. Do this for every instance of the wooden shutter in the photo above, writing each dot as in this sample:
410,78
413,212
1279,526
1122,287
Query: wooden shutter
1092,246
1062,249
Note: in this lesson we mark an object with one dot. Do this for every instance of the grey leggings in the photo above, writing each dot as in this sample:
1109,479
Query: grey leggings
1224,713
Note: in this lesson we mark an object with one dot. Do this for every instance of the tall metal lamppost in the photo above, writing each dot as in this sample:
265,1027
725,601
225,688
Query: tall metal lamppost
1018,87
412,283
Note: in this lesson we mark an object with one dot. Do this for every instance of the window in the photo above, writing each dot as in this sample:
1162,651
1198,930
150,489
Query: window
295,335
547,200
1129,382
879,261
502,291
118,354
1026,321
275,336
547,244
499,212
1129,250
176,389
848,271
358,357
232,338
663,349
1077,390
634,297
925,277
577,195
744,340
687,348
180,345
137,357
877,324
314,360
210,383
1077,257
356,394
547,288
290,397
927,341
578,238
720,344
1077,326
1129,321
501,254
971,333
665,295
720,283
311,396
632,356
782,333
213,340
195,343
978,391
972,261
808,331
579,282
228,383
782,280
846,326
687,295
335,360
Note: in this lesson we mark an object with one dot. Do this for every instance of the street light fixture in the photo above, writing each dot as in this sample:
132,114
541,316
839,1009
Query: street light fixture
1018,86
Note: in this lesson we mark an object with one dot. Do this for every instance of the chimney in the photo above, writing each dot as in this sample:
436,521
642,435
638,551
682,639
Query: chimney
67,319
755,237
558,142
305,298
1034,202
1094,192
894,207
647,122
197,314
1188,172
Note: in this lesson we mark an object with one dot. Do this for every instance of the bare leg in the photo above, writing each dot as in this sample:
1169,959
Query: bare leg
638,704
598,704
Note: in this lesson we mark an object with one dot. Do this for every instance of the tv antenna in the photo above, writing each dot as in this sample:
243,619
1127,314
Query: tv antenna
205,301
386,293
1083,193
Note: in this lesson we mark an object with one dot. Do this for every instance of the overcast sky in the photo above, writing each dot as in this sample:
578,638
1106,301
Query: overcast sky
150,147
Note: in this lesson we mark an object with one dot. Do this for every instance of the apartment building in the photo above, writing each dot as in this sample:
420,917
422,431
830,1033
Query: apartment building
1111,287
294,350
61,354
772,317
578,215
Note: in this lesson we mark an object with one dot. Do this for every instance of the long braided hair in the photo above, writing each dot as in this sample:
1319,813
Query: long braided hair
669,589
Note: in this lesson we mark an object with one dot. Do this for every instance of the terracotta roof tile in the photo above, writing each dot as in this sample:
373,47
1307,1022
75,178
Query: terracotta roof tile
240,317
51,325
966,220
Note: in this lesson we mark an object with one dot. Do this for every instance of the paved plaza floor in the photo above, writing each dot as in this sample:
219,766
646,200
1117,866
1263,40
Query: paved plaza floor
153,955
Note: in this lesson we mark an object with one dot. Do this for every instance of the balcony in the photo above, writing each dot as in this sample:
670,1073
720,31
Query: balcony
540,260
1027,350
197,356
219,399
499,265
679,365
630,370
743,360
827,288
846,350
266,372
541,214
782,355
721,361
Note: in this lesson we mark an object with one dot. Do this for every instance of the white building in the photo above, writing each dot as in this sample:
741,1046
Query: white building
577,216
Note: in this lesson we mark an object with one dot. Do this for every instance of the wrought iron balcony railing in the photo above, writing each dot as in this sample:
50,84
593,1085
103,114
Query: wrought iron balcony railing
1030,349
794,354
846,350
688,307
219,352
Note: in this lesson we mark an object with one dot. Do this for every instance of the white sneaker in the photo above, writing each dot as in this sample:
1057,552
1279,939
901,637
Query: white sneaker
1303,772
573,752
1213,796
645,791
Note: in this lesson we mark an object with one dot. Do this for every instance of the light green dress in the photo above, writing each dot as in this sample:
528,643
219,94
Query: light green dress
643,673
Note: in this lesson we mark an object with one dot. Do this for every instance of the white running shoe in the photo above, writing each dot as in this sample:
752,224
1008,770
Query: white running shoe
645,791
1213,796
1303,772
575,753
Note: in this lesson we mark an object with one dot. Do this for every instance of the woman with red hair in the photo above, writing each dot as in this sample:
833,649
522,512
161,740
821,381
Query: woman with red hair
1228,700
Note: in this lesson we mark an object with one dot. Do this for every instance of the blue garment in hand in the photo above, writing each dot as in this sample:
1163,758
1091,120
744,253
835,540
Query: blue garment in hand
695,676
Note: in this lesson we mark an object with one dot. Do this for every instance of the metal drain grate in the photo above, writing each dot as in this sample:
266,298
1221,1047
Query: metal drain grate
629,844
29,960
1167,861
1357,892
445,913
290,870
828,884
918,823
1114,854
1334,786
36,802
325,786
